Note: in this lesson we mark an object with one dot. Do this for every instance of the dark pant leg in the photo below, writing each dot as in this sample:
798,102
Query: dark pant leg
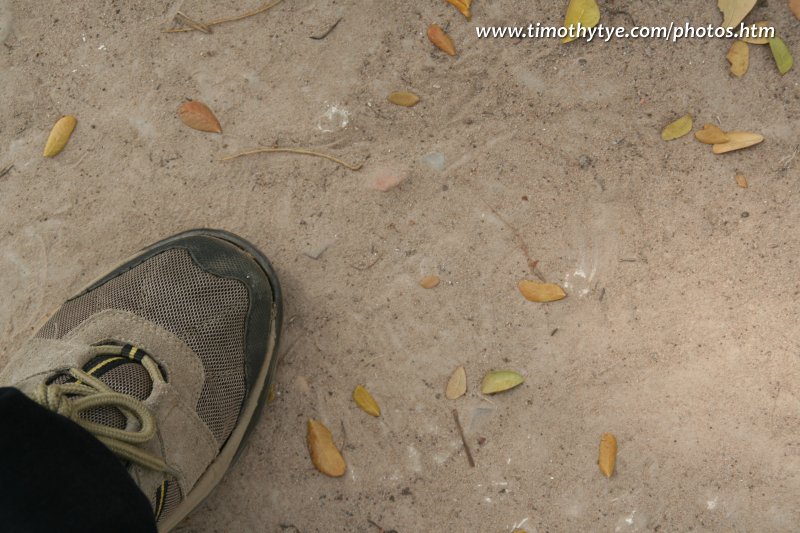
55,476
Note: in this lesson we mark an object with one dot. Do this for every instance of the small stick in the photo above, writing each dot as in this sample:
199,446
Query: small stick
320,37
292,151
228,19
6,170
199,26
463,439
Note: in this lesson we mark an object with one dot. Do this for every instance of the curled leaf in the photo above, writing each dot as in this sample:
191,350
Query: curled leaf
734,11
457,384
540,292
736,141
711,134
739,58
441,40
741,181
59,135
198,116
365,401
782,55
757,40
500,380
462,6
607,459
403,98
678,128
584,12
324,453
429,282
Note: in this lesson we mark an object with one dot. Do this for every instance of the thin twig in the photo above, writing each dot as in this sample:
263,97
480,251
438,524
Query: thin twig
199,26
6,170
368,265
463,439
229,19
320,37
523,246
293,151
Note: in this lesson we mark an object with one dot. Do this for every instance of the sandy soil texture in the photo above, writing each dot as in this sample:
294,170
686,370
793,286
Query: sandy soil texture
679,334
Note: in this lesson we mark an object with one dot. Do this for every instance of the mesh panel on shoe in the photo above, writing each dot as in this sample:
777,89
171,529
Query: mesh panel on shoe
207,312
166,503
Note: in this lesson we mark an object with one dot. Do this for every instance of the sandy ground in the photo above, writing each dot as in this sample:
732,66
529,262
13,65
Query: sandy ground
679,333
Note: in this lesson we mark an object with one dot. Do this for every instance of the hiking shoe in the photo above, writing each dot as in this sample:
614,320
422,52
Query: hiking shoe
166,360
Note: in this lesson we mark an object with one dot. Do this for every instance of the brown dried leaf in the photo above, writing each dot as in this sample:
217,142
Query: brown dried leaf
736,141
457,384
462,6
198,116
741,181
758,40
403,98
540,292
59,135
734,11
607,459
365,401
739,58
324,453
794,6
711,134
442,41
429,282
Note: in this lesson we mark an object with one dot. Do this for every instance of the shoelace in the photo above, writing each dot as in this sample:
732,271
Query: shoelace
88,392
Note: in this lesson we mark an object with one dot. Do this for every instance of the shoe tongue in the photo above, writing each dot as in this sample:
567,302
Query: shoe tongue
123,375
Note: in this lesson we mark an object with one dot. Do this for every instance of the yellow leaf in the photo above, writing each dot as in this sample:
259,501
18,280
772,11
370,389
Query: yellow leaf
463,6
583,12
741,181
677,129
443,42
365,401
540,292
736,141
457,384
500,380
711,134
324,454
739,58
403,98
794,6
608,454
782,55
429,282
198,116
59,135
758,40
734,11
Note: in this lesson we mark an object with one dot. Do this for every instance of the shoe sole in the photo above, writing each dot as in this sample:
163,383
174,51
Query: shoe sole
251,409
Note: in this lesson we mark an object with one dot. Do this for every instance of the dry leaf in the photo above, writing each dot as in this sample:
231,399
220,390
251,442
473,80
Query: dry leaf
403,98
608,454
429,282
584,12
457,384
365,401
500,380
734,11
677,129
758,40
198,116
324,453
794,6
442,41
271,394
711,134
782,55
739,58
741,181
463,6
736,141
59,135
540,292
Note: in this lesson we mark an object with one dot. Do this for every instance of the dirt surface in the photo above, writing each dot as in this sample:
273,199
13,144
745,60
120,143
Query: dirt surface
679,332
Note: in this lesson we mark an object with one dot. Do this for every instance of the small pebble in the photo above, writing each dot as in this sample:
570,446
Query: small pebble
745,214
435,160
